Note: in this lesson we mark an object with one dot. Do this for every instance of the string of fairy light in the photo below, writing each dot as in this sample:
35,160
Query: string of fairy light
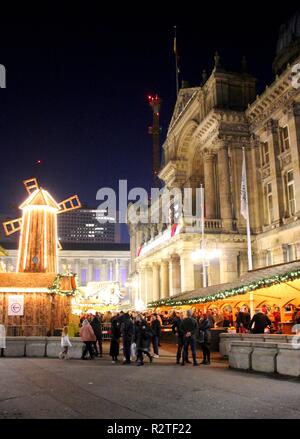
221,295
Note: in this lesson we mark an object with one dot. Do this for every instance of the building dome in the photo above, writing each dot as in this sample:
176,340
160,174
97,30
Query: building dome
288,44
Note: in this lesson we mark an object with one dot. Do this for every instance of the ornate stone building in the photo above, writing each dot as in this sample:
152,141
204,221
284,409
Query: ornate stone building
210,126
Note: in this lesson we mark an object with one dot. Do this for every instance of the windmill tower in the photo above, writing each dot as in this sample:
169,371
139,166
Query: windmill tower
38,244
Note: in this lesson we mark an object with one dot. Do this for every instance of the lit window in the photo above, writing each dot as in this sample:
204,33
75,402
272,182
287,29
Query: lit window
290,192
285,140
269,203
269,258
265,153
289,253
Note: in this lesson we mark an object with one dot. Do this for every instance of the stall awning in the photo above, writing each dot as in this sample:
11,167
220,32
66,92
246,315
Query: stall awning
252,281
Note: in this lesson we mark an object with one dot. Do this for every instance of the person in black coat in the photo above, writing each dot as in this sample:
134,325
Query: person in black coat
243,320
204,338
97,328
261,321
115,338
156,331
142,338
178,331
127,332
190,330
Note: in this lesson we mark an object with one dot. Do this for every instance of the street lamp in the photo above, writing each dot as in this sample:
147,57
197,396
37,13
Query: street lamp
139,305
205,255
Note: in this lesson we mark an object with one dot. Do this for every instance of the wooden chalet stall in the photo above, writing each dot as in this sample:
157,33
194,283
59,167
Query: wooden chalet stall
277,288
35,304
36,301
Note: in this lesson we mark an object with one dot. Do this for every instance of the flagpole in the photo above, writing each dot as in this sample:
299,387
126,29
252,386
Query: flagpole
176,60
203,244
250,266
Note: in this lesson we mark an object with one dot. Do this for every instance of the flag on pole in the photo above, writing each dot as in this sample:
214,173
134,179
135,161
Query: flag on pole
176,60
244,196
245,209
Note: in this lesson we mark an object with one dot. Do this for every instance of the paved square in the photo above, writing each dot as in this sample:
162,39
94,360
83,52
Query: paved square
50,388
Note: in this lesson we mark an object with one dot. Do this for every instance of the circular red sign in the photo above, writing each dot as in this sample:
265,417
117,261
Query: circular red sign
16,307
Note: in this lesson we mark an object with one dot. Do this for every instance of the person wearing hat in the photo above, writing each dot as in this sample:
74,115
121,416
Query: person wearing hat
190,329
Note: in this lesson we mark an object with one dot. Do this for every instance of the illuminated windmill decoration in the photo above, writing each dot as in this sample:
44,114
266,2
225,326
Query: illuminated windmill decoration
38,245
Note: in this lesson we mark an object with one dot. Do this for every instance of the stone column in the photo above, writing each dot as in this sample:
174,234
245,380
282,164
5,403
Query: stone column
142,285
110,272
175,284
187,272
164,279
117,267
133,249
123,268
209,185
103,274
90,274
77,270
149,284
228,267
224,188
156,281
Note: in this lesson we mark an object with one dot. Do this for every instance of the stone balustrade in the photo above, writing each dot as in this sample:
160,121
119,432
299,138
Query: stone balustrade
37,347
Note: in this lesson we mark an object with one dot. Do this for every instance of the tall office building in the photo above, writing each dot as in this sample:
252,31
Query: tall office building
85,225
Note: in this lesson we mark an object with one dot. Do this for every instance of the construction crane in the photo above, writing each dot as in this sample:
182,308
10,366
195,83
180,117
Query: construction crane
154,130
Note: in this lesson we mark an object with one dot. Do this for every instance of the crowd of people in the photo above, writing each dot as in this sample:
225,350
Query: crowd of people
137,332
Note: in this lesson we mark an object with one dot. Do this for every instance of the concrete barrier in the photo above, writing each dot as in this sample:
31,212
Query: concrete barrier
15,347
53,347
263,357
253,337
225,343
227,339
294,339
35,346
275,338
288,359
76,349
240,355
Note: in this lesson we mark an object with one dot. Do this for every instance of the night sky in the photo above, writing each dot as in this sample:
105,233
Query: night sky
76,95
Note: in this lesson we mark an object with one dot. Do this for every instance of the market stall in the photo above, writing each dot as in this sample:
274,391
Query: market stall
276,290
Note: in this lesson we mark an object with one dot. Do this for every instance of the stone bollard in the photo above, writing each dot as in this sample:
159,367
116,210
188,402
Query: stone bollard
264,357
288,359
240,355
35,346
225,343
15,347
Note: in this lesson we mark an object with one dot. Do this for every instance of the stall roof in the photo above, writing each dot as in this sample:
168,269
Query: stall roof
26,280
250,281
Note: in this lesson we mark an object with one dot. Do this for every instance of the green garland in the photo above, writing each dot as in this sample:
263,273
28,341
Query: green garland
263,283
55,287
